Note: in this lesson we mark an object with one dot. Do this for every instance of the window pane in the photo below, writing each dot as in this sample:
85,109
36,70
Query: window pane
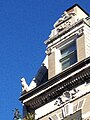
68,55
68,48
69,61
65,64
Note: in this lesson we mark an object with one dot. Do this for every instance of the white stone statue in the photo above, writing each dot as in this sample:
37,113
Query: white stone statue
32,84
24,85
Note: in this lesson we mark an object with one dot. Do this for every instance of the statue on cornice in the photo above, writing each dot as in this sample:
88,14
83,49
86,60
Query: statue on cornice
25,87
64,16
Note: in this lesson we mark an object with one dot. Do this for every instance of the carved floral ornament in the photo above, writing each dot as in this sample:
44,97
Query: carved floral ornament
64,17
48,51
80,31
65,22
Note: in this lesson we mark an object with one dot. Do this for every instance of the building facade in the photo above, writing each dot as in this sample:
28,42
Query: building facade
61,88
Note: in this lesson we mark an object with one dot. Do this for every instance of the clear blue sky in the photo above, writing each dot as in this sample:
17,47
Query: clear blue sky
24,26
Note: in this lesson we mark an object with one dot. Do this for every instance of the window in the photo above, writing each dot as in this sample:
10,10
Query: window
75,116
68,55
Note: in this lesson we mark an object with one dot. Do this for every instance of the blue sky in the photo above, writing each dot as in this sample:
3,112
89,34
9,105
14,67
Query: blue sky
24,26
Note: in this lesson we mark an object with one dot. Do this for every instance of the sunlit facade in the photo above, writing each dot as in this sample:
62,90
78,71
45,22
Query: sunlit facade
62,84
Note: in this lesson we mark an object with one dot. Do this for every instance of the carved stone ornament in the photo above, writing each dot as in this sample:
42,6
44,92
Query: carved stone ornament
66,96
64,17
80,32
48,51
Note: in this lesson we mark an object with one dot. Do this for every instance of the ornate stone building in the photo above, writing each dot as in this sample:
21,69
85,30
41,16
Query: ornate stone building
61,88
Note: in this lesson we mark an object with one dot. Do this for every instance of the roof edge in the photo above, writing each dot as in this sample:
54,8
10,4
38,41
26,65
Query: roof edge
79,7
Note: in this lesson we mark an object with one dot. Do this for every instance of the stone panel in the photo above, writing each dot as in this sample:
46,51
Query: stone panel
51,65
81,48
86,107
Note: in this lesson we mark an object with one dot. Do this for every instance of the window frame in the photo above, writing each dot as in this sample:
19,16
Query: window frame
70,55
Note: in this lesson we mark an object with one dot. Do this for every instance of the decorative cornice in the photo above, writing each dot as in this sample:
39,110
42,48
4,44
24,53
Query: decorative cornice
64,31
56,78
51,94
57,89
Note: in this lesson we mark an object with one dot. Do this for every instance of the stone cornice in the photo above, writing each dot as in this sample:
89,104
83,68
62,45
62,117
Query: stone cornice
57,90
47,95
64,31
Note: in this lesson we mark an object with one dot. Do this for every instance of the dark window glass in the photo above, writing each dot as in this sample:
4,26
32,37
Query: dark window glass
68,55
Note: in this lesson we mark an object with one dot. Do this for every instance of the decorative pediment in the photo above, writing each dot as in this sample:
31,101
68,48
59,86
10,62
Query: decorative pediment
66,20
